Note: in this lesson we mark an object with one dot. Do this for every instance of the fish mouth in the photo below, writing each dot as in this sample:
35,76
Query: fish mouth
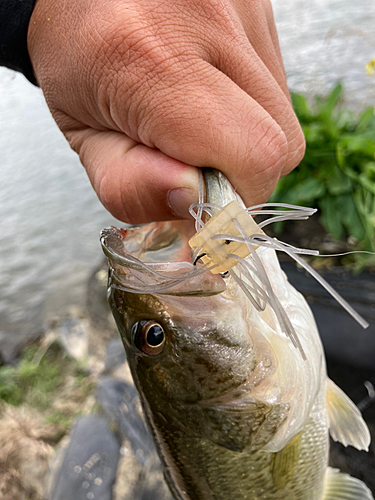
125,249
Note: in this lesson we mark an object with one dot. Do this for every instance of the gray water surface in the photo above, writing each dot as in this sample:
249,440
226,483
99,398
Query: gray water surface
327,41
49,216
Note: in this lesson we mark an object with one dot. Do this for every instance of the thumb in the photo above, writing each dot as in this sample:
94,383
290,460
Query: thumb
135,183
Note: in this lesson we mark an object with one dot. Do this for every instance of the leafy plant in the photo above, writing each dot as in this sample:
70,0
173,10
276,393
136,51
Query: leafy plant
337,174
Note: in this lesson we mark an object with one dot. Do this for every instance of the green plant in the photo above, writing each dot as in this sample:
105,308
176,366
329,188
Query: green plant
337,174
33,382
39,381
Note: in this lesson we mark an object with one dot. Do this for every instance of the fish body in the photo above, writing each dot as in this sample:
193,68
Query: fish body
235,410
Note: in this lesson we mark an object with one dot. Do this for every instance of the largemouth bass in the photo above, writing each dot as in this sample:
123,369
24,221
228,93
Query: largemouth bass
235,409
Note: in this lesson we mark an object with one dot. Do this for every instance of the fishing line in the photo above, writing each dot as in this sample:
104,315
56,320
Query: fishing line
273,301
276,245
202,207
248,291
251,286
344,253
250,269
198,221
252,291
257,238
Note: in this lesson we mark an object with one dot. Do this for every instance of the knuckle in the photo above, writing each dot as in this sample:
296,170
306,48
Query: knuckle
145,39
267,155
297,149
212,10
155,69
116,199
258,9
301,149
122,198
179,100
273,149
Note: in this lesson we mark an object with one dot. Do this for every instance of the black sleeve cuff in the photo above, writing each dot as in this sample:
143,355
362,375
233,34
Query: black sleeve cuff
14,21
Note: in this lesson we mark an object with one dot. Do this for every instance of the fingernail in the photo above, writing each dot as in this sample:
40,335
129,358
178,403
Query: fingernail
179,201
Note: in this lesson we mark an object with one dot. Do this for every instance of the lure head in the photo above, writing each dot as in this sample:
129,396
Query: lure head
216,251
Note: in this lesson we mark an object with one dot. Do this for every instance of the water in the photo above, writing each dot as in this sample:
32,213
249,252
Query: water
49,215
326,41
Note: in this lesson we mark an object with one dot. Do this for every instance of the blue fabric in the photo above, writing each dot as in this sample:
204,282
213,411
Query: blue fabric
14,21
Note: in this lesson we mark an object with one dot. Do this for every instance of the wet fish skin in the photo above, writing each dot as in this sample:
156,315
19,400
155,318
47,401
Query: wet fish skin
188,340
234,410
197,398
208,445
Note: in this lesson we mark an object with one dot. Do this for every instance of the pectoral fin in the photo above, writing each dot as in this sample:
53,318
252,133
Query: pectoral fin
346,424
285,462
341,486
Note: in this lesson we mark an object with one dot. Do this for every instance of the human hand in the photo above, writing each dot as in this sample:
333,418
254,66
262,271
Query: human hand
147,91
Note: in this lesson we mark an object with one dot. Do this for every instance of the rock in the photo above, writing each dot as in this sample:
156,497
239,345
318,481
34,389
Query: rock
74,337
128,474
11,343
2,361
89,466
343,338
134,482
97,304
121,404
115,355
140,473
55,465
102,324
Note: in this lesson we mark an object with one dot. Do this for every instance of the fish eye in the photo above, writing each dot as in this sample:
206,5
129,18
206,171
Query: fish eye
149,337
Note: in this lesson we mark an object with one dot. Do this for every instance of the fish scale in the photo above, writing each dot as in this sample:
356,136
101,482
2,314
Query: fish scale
196,458
236,411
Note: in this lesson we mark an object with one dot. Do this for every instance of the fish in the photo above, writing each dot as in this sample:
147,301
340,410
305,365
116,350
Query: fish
235,408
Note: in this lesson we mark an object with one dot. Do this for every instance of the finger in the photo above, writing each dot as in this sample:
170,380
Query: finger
260,30
135,183
243,65
211,121
276,44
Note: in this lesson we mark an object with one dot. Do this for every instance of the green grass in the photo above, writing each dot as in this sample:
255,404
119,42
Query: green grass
38,382
337,174
33,382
